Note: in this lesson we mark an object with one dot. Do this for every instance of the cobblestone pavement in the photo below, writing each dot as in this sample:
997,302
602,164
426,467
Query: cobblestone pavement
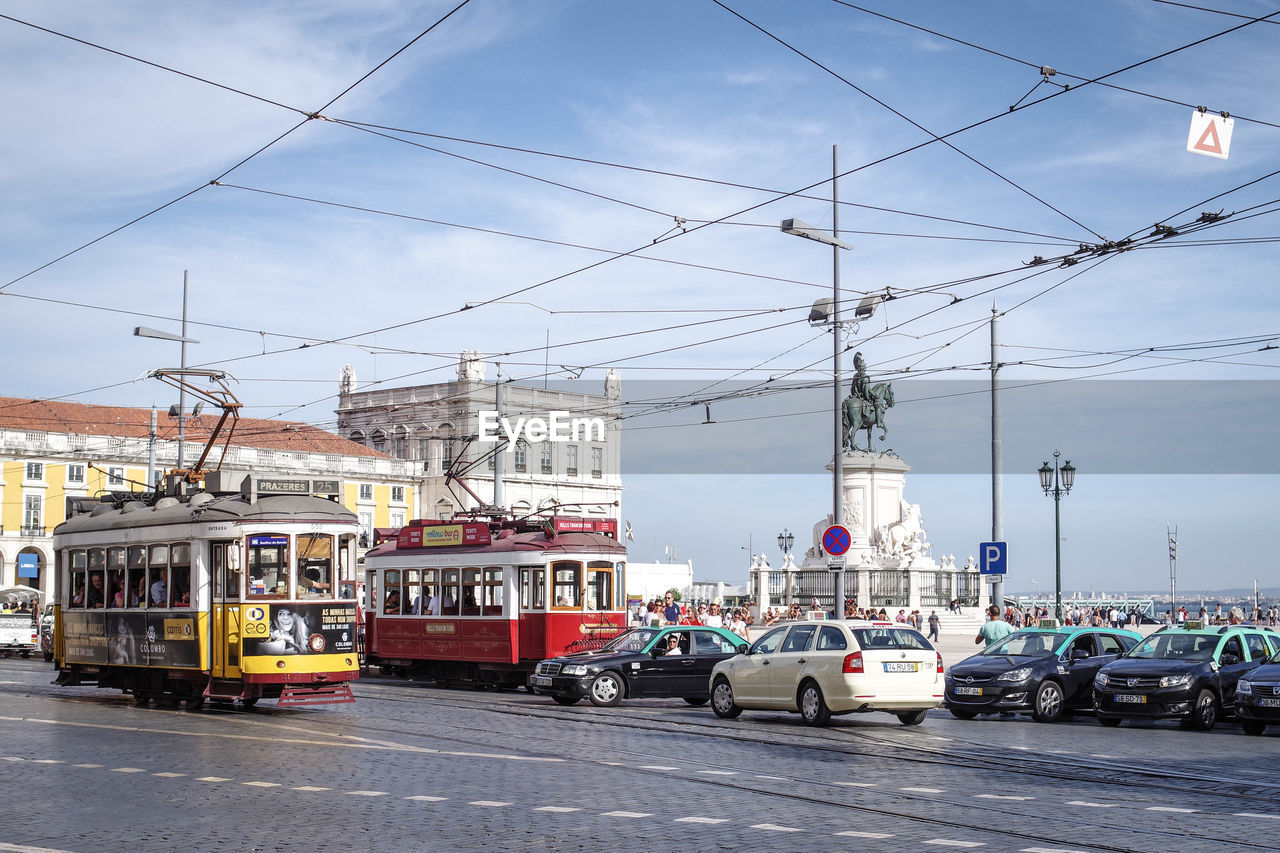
412,767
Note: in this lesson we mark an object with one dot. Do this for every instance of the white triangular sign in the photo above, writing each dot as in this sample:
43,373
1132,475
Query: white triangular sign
1210,135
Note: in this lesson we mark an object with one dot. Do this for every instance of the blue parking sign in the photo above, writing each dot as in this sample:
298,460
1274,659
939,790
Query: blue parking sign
994,559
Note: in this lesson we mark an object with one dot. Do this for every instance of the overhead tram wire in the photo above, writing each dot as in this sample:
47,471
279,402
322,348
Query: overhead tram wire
308,117
686,177
1059,72
511,234
909,120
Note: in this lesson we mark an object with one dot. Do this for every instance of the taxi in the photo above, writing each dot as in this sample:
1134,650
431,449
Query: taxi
1258,697
1044,671
1188,672
653,663
821,669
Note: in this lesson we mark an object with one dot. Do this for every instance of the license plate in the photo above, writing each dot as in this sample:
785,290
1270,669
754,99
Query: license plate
901,666
968,691
1131,698
1269,703
541,681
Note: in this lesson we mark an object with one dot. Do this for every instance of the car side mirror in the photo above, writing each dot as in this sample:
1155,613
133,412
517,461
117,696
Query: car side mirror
1228,659
742,648
1080,654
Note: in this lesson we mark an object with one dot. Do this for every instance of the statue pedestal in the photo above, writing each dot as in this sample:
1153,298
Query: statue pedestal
873,487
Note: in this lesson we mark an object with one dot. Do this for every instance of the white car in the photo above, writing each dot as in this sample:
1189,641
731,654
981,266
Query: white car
835,667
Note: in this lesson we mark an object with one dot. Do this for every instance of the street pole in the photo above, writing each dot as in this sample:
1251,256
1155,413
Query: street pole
182,393
498,449
151,451
1172,533
997,457
1057,553
837,464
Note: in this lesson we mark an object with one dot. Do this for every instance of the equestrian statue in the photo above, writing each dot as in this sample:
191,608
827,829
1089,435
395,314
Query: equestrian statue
865,406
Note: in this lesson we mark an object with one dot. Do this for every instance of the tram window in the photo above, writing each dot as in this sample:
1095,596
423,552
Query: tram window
315,565
470,592
180,567
159,585
449,592
115,558
268,566
95,594
599,585
116,593
391,583
429,605
411,591
344,561
533,589
75,589
492,591
566,583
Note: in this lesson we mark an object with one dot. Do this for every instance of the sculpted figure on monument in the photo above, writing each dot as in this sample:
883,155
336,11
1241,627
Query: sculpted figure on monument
905,538
865,406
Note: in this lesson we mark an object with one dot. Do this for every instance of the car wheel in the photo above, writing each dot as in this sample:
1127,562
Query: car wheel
1253,727
813,708
1205,712
1048,704
566,700
722,699
696,700
1109,722
607,689
913,718
962,715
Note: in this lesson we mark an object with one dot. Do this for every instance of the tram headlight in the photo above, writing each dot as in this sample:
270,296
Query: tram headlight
574,669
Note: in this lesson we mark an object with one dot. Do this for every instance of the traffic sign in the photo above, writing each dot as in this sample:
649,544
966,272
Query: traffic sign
835,564
1210,134
836,540
995,558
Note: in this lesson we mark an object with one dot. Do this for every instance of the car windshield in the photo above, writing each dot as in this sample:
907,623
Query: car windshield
1198,647
890,638
1025,644
631,641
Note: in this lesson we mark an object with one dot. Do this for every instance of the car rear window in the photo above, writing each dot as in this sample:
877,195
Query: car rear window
890,638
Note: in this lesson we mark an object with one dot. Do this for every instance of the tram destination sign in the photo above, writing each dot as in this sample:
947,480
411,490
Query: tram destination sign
277,486
224,482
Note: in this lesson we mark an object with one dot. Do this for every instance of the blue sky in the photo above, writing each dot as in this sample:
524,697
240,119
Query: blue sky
676,91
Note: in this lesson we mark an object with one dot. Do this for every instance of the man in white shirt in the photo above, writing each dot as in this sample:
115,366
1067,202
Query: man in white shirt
714,619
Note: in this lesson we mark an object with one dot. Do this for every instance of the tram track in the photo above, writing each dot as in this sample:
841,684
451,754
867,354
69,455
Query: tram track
993,814
1010,816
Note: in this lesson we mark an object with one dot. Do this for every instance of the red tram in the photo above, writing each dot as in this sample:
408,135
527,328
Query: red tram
481,602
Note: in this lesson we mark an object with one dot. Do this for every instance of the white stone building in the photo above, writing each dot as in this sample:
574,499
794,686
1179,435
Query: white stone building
439,427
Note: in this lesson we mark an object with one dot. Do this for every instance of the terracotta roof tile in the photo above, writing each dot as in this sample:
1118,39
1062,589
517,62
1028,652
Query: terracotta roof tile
122,422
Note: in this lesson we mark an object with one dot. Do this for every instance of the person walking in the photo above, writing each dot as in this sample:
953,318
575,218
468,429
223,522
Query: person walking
934,624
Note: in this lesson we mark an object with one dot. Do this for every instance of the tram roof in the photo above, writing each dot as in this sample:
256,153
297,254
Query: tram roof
531,541
214,508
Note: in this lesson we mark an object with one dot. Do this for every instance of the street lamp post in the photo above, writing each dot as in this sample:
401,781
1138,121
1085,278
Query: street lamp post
1057,480
785,540
801,229
145,332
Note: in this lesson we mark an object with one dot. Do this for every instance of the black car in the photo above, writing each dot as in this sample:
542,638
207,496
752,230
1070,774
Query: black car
1042,671
641,663
1258,696
1188,672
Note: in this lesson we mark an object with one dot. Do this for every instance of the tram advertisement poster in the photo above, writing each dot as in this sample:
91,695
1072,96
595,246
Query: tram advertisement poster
132,639
299,629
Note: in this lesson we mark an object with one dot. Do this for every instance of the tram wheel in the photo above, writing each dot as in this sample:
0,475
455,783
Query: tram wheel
193,703
142,700
249,701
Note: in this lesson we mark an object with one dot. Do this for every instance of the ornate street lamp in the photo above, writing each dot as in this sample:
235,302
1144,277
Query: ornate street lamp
785,540
1056,481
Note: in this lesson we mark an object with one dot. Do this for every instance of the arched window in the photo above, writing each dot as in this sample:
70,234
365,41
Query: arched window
445,432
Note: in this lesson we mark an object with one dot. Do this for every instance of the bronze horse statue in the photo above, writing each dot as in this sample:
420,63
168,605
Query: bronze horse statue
859,414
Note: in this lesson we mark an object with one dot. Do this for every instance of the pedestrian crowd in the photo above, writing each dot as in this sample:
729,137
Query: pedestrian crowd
667,611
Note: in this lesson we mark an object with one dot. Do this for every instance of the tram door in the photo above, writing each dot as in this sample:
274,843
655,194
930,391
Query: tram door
533,613
227,595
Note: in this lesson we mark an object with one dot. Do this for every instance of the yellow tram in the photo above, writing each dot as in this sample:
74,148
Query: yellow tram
221,596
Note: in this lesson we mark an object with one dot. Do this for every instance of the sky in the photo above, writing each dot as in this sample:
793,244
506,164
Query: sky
604,182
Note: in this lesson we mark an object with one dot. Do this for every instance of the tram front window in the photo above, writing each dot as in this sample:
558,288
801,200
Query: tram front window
315,566
75,589
268,566
180,566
